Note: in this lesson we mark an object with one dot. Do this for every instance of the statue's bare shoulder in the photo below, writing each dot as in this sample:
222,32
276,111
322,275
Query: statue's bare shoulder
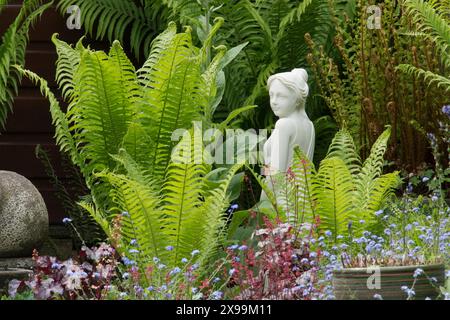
286,126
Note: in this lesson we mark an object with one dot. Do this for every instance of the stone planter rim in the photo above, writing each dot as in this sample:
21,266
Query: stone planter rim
15,271
391,268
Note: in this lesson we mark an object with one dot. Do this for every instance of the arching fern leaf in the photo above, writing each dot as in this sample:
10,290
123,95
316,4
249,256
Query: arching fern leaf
432,21
333,189
430,77
343,147
12,52
122,20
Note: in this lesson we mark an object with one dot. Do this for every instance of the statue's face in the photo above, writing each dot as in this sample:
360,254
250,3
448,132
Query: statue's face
282,99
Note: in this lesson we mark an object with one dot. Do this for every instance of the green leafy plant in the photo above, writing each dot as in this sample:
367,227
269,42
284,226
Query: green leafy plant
184,215
365,90
112,106
341,192
431,20
120,120
421,225
265,36
271,29
138,22
12,51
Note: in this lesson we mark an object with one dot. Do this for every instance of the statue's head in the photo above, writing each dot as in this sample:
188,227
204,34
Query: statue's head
288,91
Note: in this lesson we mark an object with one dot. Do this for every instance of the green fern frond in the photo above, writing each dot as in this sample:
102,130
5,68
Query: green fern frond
371,170
178,106
98,216
261,81
308,16
430,77
127,72
333,189
66,65
62,135
214,225
285,193
143,221
435,24
233,114
295,15
175,96
133,169
100,111
182,186
138,144
159,46
343,147
262,24
380,191
123,20
373,165
273,11
304,173
241,27
12,52
67,144
186,11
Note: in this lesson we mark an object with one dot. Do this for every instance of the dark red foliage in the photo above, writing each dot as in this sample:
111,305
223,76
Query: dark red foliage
279,267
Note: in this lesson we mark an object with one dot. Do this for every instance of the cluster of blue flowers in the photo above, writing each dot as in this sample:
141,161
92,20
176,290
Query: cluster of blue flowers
238,247
411,236
67,220
446,110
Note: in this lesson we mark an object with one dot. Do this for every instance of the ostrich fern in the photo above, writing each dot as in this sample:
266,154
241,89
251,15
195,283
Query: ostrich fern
110,19
272,32
113,106
273,29
183,214
432,20
365,187
120,120
362,85
12,51
342,191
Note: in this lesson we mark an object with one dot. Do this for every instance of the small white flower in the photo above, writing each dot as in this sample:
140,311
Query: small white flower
72,282
261,232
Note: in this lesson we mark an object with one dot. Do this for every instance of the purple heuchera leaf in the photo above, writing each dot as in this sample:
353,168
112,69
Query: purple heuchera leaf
13,286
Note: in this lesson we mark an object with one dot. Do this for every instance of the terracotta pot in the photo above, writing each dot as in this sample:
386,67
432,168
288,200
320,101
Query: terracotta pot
361,283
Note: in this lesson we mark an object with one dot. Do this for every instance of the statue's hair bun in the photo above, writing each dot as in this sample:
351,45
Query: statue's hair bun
301,73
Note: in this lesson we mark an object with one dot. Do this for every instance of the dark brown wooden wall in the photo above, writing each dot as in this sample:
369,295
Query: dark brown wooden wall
30,123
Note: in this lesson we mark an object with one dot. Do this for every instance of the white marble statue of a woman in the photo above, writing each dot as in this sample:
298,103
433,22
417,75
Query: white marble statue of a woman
288,92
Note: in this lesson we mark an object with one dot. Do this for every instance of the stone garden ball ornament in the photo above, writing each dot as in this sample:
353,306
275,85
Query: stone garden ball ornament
23,216
288,92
